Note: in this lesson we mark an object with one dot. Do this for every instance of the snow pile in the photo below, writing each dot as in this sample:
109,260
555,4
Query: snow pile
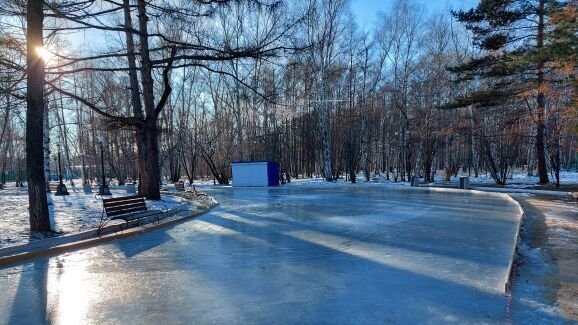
69,214
519,178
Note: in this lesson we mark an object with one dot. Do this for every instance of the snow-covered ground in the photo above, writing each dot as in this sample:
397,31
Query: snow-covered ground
518,179
69,214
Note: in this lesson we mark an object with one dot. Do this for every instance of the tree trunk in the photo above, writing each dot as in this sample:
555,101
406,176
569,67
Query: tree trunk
152,165
38,204
473,151
541,101
135,99
46,141
325,126
150,180
363,144
64,137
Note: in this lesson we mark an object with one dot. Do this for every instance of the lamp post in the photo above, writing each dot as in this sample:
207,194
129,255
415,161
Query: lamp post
61,188
253,150
55,169
85,186
103,189
59,166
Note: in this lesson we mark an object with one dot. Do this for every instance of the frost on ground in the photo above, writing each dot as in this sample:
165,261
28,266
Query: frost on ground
69,214
517,179
546,277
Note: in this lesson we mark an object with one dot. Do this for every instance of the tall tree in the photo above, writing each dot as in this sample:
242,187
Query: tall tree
563,46
507,31
38,204
325,27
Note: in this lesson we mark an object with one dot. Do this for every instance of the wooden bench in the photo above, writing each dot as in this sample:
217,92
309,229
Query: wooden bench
54,189
198,194
128,208
180,187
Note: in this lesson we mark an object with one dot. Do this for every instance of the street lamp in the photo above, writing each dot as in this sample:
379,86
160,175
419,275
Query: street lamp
61,188
85,186
103,189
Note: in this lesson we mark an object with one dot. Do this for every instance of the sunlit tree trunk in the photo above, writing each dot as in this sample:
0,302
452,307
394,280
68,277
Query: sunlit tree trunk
135,98
38,204
151,178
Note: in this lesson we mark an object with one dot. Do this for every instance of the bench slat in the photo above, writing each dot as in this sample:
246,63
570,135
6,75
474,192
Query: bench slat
125,211
127,208
117,203
133,216
121,203
139,205
122,198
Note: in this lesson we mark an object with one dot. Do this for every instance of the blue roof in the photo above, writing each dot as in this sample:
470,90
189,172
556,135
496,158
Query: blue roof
253,161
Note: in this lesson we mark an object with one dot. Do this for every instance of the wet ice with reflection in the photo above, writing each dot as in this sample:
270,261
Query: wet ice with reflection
294,254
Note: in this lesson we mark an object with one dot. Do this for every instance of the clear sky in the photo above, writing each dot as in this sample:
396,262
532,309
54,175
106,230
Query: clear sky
366,10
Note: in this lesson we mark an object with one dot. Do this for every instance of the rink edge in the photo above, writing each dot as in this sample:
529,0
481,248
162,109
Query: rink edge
15,254
508,281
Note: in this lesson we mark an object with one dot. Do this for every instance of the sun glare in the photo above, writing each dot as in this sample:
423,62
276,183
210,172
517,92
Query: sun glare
44,54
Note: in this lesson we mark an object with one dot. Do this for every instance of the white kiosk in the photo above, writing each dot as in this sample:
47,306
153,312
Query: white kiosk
255,173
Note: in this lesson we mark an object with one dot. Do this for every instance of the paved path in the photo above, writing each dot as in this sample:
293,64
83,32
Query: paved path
362,255
548,276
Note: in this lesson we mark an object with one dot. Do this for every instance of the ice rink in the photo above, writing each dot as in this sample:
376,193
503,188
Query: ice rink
301,254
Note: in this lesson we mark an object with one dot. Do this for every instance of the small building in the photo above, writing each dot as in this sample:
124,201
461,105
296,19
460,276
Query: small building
255,173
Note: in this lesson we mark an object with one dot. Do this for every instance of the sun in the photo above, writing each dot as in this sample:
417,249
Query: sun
44,54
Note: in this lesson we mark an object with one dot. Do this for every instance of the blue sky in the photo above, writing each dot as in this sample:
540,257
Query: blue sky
366,10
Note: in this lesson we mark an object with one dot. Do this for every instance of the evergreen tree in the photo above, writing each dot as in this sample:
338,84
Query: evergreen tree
562,48
512,37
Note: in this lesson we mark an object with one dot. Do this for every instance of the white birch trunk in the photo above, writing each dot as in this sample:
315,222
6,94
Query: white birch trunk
363,145
325,126
46,143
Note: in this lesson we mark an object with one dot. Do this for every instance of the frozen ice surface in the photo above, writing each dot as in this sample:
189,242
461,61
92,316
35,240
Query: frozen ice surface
302,254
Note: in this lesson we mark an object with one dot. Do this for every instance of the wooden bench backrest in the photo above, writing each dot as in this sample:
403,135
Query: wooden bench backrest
124,205
180,187
53,186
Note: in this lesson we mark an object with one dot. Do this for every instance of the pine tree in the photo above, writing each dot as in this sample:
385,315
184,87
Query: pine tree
562,48
512,37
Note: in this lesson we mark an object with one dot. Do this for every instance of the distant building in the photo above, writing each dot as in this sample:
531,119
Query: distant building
255,173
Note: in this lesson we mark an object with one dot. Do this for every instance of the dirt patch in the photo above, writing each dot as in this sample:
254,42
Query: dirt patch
552,227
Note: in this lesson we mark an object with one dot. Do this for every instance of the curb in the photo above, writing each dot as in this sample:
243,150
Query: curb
91,238
505,190
509,282
524,191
